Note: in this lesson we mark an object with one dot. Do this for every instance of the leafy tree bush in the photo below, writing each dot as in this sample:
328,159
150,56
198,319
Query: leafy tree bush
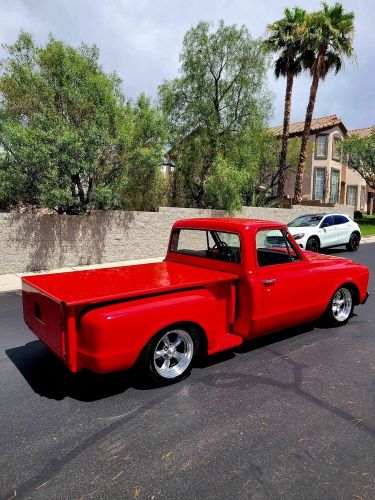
69,141
216,109
360,155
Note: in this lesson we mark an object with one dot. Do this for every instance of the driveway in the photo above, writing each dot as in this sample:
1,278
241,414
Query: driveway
289,416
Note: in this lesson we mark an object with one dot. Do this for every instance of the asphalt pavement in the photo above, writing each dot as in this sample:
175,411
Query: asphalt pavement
288,416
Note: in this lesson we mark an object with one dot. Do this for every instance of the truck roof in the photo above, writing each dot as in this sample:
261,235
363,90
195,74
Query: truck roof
225,223
116,283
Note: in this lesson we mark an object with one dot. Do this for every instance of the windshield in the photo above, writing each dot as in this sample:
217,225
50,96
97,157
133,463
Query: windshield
306,221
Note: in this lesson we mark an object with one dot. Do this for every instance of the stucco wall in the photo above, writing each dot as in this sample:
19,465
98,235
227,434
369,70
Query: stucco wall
35,242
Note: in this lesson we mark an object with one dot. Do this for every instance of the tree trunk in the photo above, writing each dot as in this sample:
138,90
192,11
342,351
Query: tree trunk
306,130
285,137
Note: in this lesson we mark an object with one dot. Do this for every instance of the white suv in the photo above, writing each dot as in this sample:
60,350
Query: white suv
315,231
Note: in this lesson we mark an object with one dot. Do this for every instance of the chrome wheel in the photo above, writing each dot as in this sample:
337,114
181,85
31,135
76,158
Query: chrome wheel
173,353
342,304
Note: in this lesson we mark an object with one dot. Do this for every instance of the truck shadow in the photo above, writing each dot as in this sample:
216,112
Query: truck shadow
49,377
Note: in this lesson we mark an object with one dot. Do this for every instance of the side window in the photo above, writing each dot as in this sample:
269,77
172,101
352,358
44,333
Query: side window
351,195
336,148
320,184
274,247
321,146
327,221
340,219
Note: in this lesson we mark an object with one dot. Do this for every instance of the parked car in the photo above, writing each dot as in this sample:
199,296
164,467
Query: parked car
220,284
315,231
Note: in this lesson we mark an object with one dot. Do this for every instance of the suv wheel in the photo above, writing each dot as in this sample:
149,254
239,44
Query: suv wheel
313,244
353,244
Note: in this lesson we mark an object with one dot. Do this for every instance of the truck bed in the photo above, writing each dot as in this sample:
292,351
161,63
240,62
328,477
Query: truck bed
52,303
116,283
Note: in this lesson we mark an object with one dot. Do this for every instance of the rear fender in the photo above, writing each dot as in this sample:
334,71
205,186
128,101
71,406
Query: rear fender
112,337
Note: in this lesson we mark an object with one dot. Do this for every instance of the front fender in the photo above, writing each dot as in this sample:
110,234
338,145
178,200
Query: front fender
112,337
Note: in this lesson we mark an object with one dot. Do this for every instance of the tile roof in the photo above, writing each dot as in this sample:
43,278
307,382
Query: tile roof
362,132
317,124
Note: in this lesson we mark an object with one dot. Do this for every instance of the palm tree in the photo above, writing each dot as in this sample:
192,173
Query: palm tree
329,35
285,38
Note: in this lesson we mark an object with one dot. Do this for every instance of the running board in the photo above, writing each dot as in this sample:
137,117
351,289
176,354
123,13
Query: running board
227,341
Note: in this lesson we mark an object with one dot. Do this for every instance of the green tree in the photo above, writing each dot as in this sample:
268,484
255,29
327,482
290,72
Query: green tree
329,35
69,140
286,39
213,109
360,155
145,139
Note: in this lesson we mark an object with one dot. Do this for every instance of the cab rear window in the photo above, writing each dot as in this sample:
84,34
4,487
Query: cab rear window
209,244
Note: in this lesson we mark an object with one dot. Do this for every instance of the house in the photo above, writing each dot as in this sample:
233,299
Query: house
327,179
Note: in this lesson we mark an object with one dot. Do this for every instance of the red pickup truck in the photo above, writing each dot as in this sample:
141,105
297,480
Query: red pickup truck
223,281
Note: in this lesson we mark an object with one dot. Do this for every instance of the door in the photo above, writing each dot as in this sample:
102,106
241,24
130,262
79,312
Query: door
344,227
289,288
328,232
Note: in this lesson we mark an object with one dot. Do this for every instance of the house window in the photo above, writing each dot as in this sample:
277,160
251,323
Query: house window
335,186
336,148
319,184
363,198
351,195
321,146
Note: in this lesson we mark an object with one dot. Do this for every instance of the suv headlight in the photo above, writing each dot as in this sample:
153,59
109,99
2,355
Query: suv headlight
298,236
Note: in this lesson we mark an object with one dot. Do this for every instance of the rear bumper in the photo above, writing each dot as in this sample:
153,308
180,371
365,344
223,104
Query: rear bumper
98,363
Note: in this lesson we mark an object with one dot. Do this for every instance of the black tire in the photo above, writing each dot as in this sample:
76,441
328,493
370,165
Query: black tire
353,244
151,368
332,318
313,244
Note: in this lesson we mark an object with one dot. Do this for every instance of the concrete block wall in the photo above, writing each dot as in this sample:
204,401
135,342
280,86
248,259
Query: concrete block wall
34,242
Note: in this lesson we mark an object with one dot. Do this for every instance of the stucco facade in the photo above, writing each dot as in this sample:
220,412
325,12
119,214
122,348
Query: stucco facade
327,179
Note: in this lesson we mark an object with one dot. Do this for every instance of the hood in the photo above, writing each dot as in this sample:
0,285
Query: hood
305,229
328,259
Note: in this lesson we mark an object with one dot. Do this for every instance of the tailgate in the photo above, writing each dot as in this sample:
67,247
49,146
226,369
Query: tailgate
44,316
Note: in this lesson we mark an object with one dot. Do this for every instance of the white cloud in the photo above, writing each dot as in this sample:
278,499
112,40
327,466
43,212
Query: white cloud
141,41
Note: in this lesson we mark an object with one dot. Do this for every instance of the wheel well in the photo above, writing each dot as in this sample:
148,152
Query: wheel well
356,232
195,327
315,237
353,288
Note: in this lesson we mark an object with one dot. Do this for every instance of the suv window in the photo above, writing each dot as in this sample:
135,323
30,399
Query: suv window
328,221
274,247
340,219
209,244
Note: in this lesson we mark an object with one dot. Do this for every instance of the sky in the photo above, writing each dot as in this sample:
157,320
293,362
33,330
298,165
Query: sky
141,40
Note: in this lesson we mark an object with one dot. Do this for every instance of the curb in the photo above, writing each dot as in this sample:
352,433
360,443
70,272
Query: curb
368,239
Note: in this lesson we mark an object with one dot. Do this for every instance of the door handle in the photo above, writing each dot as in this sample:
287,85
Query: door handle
269,282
